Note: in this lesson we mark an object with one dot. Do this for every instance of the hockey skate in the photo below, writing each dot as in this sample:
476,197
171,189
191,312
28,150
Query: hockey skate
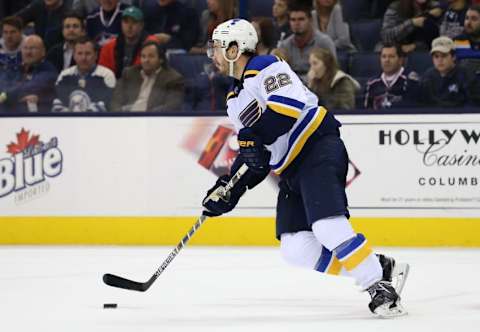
385,300
394,272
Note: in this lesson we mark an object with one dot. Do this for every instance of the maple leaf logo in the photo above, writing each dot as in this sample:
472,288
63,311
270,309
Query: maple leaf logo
23,142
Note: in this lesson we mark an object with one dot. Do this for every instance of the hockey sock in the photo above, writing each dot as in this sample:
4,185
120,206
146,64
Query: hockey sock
352,250
356,256
303,249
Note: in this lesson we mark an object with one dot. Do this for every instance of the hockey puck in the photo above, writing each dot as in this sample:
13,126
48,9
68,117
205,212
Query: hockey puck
109,305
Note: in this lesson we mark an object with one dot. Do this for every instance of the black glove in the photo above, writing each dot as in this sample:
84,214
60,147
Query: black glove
252,151
218,202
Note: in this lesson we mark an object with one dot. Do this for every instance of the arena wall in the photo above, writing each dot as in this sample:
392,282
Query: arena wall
413,180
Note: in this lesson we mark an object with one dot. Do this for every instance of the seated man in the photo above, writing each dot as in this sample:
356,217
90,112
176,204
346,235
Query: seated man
61,55
151,86
33,87
395,87
467,45
85,87
104,22
47,16
10,50
124,50
448,84
304,39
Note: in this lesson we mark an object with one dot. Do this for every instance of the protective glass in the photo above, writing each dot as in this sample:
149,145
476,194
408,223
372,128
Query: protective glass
211,46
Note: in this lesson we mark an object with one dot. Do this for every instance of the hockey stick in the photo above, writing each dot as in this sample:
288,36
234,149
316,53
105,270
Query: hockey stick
116,281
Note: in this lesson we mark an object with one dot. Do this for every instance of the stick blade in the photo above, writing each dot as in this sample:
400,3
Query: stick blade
119,282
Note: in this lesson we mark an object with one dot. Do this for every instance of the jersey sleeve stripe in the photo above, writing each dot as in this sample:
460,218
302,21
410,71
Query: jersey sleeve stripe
287,101
299,137
231,95
281,109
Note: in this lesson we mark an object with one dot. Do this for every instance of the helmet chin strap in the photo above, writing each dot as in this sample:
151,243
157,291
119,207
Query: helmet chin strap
230,62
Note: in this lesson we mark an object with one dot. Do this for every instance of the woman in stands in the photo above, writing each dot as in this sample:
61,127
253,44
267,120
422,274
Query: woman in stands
412,24
334,88
328,18
266,34
217,11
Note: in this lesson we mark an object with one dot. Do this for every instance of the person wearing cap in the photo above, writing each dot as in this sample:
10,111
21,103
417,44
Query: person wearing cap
448,84
124,50
104,22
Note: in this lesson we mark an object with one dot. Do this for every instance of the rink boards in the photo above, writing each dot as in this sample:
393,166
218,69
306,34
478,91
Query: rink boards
413,180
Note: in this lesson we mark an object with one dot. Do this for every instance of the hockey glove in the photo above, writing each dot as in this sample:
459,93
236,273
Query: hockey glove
218,201
252,151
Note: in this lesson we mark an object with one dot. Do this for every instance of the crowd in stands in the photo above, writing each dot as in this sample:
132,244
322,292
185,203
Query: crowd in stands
150,55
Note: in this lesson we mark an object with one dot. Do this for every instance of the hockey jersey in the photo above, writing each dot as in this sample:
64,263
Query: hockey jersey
272,100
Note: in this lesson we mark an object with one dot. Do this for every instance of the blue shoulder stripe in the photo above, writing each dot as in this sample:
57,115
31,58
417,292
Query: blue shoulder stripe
257,63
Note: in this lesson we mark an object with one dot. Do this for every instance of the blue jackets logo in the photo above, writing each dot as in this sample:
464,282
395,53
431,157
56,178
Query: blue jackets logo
31,162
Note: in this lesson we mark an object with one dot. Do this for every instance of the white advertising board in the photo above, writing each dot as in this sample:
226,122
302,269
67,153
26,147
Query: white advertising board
401,165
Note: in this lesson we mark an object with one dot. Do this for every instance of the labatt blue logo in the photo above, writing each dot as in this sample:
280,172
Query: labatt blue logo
31,163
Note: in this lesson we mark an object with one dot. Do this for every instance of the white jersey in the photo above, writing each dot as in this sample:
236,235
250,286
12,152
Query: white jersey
269,84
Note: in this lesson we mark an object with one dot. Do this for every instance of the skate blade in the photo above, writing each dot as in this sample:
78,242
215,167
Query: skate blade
400,273
384,311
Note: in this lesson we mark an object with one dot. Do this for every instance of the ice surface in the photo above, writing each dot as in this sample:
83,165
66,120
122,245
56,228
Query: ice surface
60,289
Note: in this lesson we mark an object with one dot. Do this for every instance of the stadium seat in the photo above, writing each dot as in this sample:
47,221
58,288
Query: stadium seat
197,85
354,10
419,62
343,59
365,64
360,94
366,34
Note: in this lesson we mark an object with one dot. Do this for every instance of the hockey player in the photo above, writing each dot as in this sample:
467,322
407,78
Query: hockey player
281,128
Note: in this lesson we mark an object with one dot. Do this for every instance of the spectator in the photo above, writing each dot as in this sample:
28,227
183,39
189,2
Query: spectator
467,45
61,55
395,87
105,22
411,23
173,23
85,7
218,11
47,16
124,50
298,46
446,84
151,86
266,34
281,19
334,88
328,18
12,37
32,90
453,18
85,87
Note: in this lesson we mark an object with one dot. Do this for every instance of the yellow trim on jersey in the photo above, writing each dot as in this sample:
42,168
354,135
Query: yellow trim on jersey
284,110
231,94
355,259
251,72
303,139
335,266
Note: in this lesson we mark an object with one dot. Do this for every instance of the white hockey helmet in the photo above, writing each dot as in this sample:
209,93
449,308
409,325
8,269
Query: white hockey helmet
237,31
